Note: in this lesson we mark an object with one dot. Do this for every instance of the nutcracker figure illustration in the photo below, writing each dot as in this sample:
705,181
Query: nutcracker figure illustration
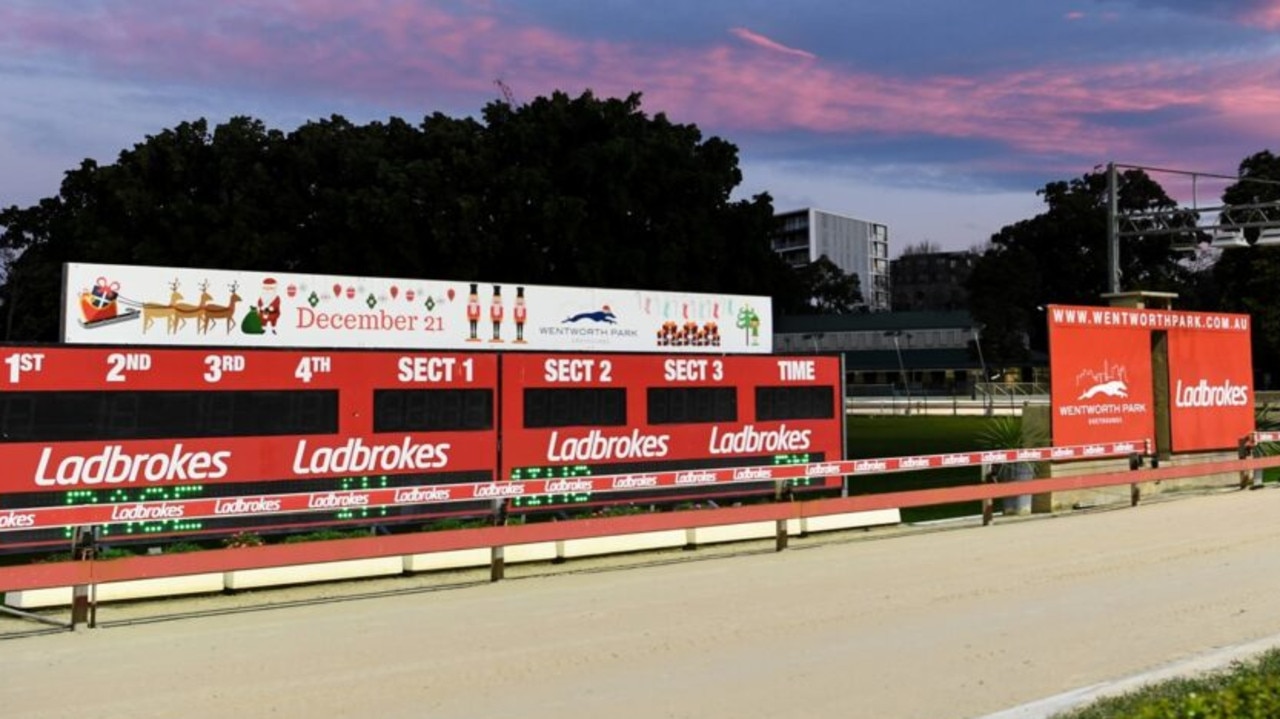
520,313
495,313
269,305
473,313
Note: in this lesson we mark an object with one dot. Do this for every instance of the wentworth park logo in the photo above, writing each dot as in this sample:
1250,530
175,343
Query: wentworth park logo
1111,381
604,315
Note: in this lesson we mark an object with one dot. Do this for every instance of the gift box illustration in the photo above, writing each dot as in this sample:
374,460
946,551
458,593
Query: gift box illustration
99,303
103,305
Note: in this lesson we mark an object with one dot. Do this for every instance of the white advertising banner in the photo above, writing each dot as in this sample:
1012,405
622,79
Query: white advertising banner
130,304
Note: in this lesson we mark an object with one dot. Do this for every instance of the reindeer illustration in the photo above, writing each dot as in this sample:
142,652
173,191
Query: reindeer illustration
184,310
211,313
152,311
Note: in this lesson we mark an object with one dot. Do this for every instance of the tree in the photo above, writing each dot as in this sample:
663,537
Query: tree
1059,257
575,191
925,247
594,192
831,290
1246,280
1003,295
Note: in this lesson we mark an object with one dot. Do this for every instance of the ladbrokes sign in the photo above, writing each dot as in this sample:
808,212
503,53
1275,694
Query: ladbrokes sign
1103,387
1211,388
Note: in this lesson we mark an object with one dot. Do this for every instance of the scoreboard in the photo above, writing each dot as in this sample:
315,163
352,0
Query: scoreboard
150,443
148,433
570,416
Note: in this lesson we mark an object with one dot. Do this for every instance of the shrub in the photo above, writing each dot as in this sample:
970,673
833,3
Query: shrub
324,535
243,539
1244,691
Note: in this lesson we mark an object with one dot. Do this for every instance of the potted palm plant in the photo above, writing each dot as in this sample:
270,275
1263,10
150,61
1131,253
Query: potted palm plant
1011,433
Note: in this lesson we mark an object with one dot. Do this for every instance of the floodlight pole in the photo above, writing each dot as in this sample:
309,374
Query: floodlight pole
1258,214
902,368
977,341
1113,231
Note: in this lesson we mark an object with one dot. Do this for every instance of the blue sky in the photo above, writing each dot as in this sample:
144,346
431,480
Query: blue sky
938,118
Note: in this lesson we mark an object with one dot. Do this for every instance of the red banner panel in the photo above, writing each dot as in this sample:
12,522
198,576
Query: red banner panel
1211,388
133,436
1101,387
576,416
1102,376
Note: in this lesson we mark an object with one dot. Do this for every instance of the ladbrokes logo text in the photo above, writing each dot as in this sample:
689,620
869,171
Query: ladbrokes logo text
1206,395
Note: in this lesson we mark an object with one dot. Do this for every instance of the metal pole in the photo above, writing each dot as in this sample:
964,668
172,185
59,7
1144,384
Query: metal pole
497,563
84,548
986,398
1135,492
1113,231
902,371
908,377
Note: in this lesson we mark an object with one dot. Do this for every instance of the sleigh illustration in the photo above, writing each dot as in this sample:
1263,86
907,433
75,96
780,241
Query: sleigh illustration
101,306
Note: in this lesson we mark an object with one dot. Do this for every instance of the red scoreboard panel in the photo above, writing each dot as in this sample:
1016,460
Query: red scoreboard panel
575,416
90,425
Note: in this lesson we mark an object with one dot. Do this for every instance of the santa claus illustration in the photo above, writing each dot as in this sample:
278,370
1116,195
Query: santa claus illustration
269,304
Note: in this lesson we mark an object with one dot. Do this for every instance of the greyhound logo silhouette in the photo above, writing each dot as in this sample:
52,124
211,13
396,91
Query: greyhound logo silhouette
604,314
1114,388
1110,381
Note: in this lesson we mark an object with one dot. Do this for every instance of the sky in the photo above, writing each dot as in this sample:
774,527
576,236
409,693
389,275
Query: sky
938,118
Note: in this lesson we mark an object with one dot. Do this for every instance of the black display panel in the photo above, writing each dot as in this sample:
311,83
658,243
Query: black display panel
692,405
593,407
94,415
432,410
778,403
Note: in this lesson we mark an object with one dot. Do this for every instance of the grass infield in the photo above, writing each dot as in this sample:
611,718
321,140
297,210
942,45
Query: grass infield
895,436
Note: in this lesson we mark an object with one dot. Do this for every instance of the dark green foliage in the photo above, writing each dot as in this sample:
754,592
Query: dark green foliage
1246,280
1249,690
325,535
450,523
571,191
831,291
1059,257
103,554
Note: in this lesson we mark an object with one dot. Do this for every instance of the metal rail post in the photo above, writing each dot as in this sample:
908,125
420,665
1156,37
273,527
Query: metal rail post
782,493
988,508
84,549
1248,449
1135,493
497,564
497,554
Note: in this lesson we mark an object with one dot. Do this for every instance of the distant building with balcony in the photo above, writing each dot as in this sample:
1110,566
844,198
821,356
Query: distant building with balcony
931,281
857,247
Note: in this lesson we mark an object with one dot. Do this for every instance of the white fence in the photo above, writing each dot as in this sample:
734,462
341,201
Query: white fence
942,405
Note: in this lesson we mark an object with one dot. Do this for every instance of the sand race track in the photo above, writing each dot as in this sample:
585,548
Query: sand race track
928,624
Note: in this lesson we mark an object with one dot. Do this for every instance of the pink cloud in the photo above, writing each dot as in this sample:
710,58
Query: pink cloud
764,42
1266,16
411,53
1075,15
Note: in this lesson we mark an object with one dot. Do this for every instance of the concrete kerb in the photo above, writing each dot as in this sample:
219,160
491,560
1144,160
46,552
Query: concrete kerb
1208,662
